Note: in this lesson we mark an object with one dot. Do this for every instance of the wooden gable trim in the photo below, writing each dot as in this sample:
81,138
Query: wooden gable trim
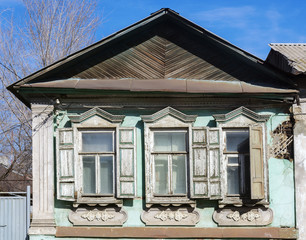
96,112
221,118
168,111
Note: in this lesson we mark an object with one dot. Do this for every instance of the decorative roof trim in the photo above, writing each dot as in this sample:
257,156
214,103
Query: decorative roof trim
97,112
241,111
168,111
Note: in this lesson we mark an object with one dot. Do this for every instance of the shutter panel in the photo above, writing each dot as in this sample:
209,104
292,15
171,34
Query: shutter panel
256,163
199,163
126,163
65,164
214,163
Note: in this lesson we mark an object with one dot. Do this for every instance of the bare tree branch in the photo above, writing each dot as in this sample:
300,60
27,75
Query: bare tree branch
50,30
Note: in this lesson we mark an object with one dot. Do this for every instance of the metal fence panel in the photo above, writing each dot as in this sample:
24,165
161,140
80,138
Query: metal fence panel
13,218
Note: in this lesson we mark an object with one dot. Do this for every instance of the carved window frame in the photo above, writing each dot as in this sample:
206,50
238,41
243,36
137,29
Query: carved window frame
243,118
167,119
69,159
96,120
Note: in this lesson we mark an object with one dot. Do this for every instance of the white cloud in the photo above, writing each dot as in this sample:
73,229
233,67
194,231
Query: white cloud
249,27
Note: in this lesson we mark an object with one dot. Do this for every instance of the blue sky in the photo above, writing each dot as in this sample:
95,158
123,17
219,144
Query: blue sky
250,25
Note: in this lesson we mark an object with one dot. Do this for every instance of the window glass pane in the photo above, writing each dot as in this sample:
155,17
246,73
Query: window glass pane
179,174
238,141
245,176
89,174
233,160
170,141
106,174
233,180
97,141
161,174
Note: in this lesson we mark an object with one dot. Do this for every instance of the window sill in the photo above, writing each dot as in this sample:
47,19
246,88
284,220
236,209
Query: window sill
98,201
239,202
170,201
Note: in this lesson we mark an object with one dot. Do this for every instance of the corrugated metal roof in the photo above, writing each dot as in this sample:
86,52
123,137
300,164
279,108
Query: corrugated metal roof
295,54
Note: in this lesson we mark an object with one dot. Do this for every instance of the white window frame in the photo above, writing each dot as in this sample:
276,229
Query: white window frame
97,162
170,155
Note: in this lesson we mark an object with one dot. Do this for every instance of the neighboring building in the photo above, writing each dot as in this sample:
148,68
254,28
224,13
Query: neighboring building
13,181
291,59
161,130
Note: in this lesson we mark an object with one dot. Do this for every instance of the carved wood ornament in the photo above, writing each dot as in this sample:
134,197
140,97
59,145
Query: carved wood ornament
98,216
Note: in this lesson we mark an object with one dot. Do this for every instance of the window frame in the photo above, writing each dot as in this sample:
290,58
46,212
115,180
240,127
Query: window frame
97,155
238,119
166,119
69,165
241,161
170,155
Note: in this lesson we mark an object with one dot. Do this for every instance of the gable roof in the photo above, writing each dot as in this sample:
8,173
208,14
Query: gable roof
288,57
164,53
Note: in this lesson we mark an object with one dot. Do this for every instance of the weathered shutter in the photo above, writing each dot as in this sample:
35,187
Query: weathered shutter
126,163
65,164
214,163
256,163
199,163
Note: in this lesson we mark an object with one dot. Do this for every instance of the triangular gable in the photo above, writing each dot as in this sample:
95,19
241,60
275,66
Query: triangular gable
165,53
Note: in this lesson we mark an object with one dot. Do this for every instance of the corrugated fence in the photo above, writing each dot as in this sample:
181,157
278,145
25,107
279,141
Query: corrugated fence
14,216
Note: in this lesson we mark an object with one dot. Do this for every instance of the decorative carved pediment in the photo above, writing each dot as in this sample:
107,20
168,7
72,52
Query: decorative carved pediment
243,216
241,111
96,112
168,111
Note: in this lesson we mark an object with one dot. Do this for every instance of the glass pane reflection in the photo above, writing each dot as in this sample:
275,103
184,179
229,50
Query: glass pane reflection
106,174
97,141
89,175
161,174
169,141
237,141
179,174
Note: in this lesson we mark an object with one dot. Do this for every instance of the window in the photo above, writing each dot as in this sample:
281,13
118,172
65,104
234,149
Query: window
244,162
237,155
167,157
170,162
97,157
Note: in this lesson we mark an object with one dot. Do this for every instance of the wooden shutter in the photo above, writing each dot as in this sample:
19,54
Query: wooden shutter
256,163
65,164
214,163
126,163
199,163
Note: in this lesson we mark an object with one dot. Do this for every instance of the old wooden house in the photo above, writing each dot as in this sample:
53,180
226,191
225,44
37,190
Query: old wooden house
161,130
